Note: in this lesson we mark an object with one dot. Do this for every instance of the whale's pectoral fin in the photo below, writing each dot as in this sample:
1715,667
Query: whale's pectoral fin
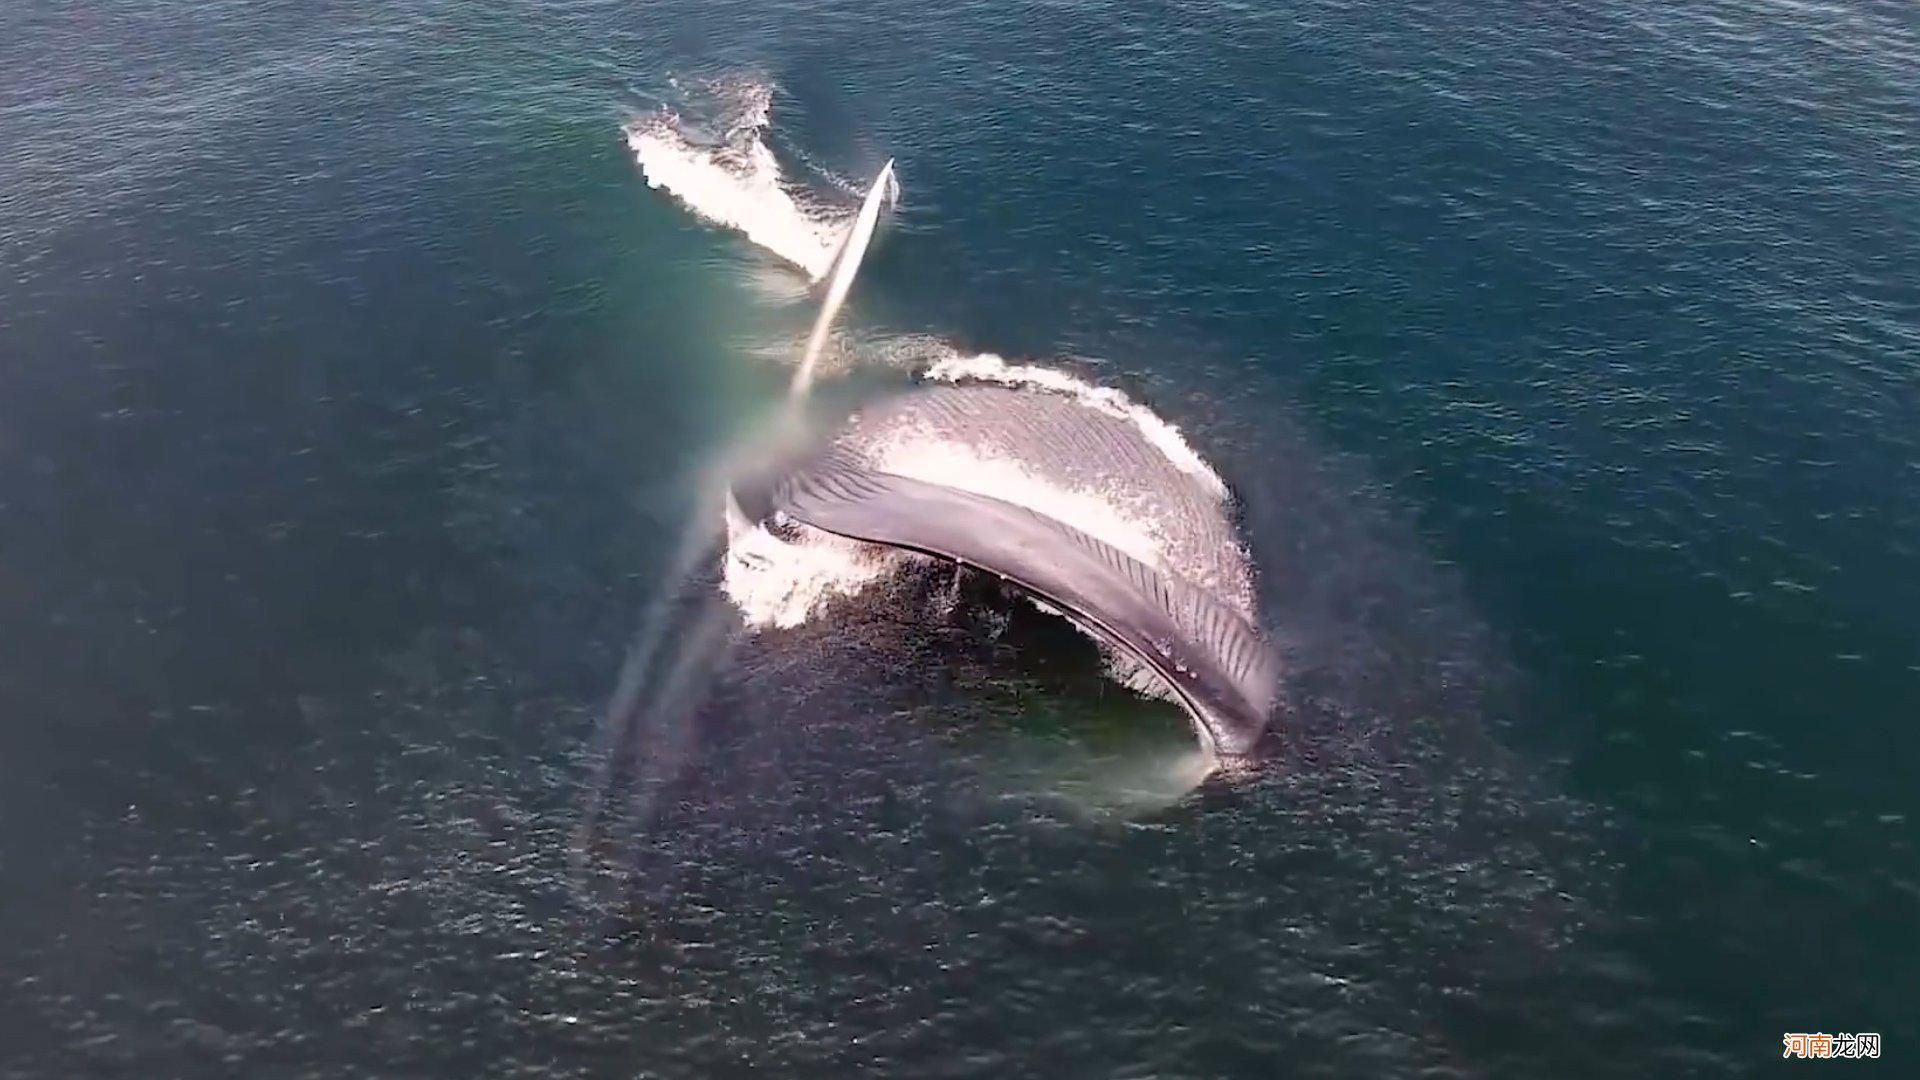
825,279
1213,660
884,193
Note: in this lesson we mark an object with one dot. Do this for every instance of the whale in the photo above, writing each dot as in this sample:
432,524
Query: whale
1176,621
998,478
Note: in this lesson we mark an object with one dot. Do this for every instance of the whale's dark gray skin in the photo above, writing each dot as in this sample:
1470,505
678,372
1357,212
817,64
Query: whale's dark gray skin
1199,645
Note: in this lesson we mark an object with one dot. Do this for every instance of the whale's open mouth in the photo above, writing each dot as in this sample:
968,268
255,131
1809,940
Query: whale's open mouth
1001,480
1205,652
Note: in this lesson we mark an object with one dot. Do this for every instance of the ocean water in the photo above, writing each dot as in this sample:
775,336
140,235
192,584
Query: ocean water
380,694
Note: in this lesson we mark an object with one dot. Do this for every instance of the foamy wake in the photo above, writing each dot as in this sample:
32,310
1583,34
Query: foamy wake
737,182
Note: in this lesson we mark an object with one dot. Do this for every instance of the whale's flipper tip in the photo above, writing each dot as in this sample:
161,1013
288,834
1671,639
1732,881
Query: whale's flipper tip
882,193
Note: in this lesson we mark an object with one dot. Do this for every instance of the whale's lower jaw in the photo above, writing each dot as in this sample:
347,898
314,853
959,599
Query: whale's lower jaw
1214,662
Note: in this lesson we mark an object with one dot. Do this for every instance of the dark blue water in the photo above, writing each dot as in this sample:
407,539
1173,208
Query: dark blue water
355,392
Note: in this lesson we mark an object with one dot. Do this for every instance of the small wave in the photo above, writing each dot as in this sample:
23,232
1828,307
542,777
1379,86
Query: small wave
736,182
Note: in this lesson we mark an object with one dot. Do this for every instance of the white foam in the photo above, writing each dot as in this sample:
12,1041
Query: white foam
738,183
780,583
1166,438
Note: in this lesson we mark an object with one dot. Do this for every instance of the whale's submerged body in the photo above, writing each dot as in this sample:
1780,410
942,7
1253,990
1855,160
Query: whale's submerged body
987,476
